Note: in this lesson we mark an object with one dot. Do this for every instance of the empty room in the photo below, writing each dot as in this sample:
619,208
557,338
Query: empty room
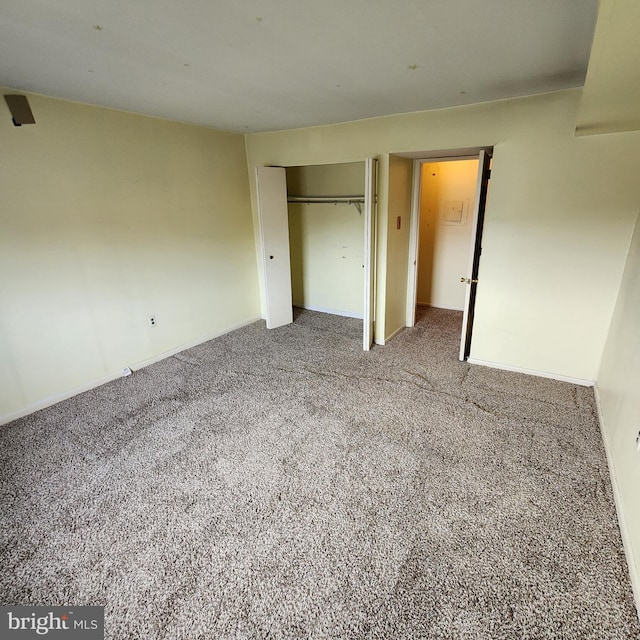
320,320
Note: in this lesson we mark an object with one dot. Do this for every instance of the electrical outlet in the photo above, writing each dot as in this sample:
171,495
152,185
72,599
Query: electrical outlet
152,321
126,371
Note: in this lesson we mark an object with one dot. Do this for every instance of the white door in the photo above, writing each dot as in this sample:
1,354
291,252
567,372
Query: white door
274,233
471,278
369,252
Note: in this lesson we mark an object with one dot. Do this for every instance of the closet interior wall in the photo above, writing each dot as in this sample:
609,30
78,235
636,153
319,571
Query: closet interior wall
326,239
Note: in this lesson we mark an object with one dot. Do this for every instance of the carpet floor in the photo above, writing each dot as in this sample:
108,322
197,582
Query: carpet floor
284,484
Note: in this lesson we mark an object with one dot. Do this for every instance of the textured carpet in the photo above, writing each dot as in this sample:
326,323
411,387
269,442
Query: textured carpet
284,484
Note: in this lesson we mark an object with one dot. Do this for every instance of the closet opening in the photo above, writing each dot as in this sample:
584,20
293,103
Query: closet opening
326,237
317,229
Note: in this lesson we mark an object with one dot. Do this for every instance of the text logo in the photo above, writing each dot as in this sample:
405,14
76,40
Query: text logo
23,623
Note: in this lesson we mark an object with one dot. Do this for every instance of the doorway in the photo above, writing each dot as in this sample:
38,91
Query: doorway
447,193
449,199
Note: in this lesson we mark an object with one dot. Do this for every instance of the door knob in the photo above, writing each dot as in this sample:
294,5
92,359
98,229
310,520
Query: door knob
468,280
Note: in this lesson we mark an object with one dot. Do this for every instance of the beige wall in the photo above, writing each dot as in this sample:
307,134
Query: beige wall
327,240
619,395
559,216
106,218
443,256
345,178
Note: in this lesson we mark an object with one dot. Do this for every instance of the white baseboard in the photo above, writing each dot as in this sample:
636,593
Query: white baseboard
172,352
58,397
333,312
532,372
439,306
617,498
98,382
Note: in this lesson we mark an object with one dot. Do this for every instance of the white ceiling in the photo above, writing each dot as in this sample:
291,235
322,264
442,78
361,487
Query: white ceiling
259,65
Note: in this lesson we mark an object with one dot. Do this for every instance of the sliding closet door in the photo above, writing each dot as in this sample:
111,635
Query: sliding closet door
369,251
274,233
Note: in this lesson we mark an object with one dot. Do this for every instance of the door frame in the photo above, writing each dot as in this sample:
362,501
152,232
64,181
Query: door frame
369,255
420,159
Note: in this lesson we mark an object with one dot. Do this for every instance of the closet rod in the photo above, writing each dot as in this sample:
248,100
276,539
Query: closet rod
326,199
